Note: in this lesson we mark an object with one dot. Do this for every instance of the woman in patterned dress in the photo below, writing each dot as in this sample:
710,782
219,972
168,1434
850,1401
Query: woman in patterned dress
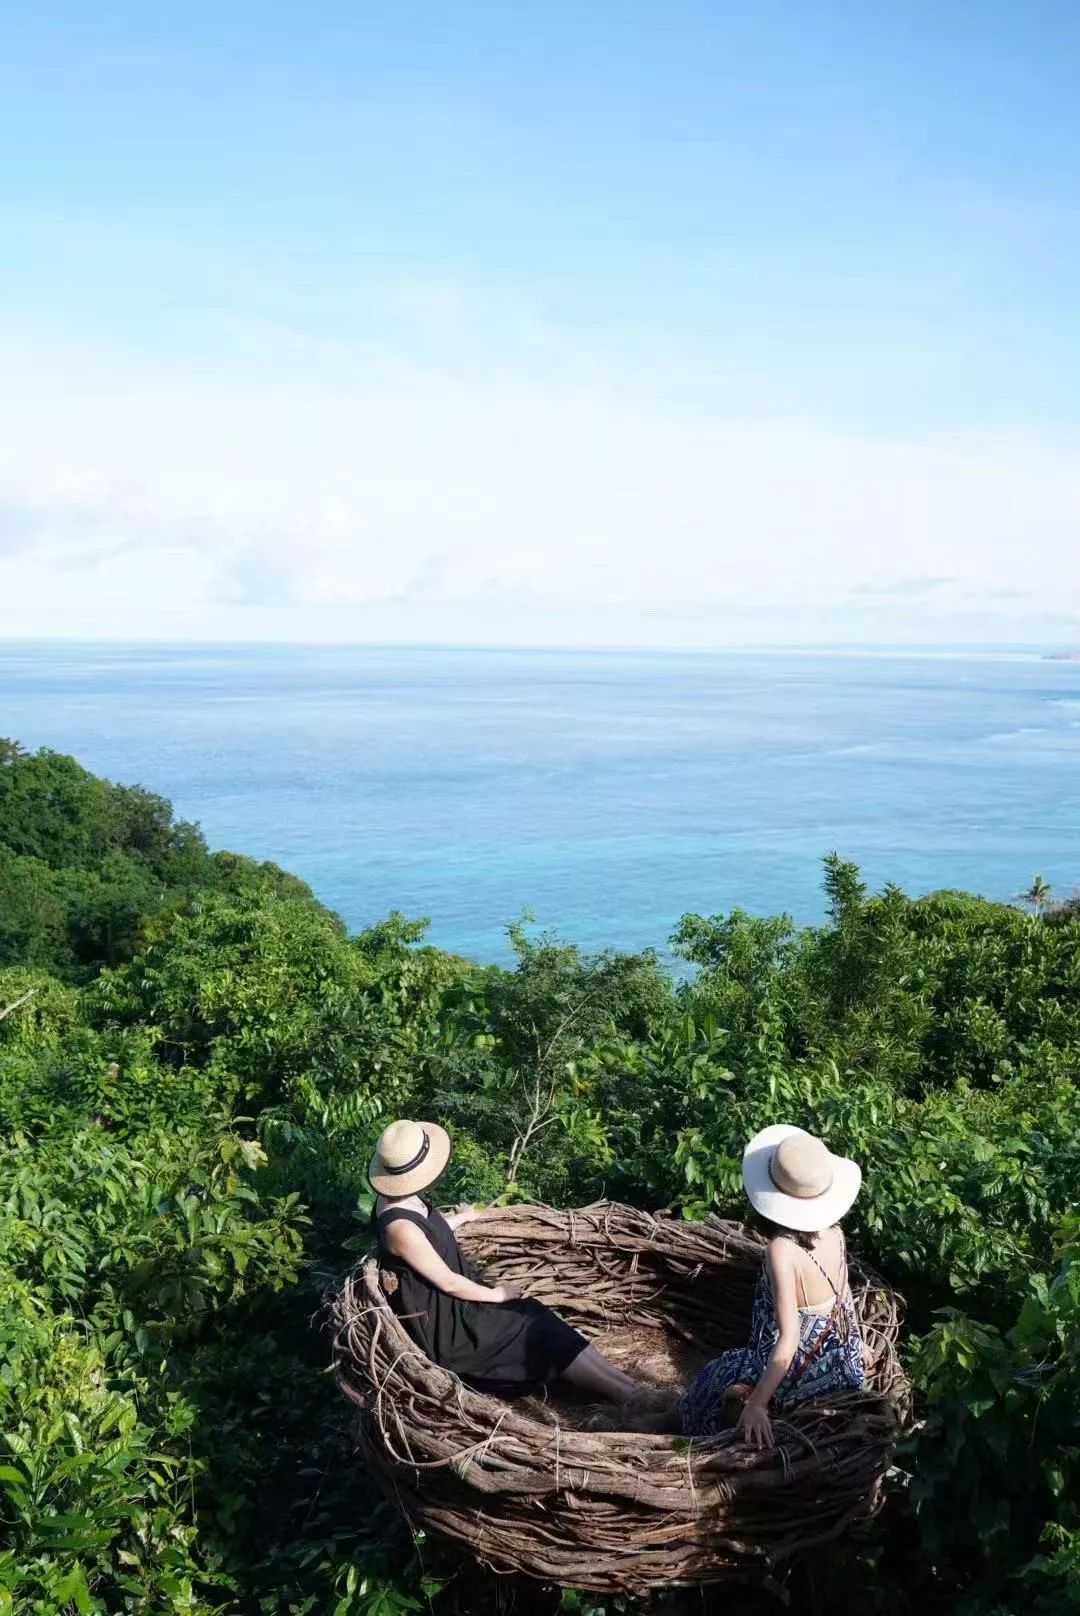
804,1334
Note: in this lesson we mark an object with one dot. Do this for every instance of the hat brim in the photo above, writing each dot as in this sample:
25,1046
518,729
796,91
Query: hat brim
805,1214
421,1178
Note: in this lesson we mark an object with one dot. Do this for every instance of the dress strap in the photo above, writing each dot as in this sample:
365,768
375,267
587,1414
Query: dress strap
825,1276
394,1214
839,1295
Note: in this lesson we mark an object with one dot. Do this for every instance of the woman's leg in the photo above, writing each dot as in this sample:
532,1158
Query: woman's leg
657,1422
594,1373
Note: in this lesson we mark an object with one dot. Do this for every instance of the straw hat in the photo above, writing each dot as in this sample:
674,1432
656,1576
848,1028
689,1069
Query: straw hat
793,1179
409,1157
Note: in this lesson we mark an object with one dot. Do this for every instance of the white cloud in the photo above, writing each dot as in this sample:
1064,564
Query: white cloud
324,495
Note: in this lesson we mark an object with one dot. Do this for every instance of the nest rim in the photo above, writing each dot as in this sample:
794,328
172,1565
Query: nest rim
612,1510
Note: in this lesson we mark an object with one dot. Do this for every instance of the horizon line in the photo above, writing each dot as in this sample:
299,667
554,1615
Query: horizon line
902,648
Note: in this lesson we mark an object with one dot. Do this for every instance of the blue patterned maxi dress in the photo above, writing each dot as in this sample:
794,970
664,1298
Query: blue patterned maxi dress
828,1359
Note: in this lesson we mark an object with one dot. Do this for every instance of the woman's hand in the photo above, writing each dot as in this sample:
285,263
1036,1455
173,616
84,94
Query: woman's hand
505,1293
755,1426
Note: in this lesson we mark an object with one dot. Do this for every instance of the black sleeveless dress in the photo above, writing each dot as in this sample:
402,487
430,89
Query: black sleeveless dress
505,1347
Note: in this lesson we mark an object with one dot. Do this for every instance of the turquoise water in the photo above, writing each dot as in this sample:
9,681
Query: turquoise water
608,793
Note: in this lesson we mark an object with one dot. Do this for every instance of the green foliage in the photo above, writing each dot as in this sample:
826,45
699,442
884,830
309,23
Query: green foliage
1002,1429
54,811
95,1505
36,1011
196,1059
518,1067
247,984
83,863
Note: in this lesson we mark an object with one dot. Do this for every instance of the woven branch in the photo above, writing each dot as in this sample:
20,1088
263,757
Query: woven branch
527,1491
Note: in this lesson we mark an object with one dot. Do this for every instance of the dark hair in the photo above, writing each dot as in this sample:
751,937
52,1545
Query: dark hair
766,1226
802,1237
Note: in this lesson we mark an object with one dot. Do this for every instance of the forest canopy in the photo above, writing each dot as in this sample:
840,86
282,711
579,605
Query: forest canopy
195,1058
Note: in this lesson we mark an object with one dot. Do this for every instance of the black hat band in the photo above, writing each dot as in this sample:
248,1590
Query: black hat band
410,1166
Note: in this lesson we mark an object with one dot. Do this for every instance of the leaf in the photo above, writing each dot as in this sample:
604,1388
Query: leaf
253,1153
73,1586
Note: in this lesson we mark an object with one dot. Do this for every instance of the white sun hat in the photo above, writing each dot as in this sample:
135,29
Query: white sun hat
793,1179
409,1157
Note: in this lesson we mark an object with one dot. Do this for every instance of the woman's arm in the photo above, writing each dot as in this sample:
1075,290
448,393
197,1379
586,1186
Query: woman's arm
755,1424
409,1243
461,1215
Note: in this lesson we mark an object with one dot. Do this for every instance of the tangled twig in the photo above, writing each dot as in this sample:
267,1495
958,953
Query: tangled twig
529,1491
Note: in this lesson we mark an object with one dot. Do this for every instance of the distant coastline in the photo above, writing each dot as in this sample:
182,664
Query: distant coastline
1062,656
611,793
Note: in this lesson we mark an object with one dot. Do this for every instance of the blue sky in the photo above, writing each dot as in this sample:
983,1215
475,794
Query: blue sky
619,324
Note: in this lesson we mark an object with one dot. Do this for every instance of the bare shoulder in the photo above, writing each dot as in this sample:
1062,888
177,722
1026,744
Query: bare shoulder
780,1255
403,1236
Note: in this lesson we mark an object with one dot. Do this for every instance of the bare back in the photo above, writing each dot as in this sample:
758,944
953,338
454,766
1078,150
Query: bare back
821,1276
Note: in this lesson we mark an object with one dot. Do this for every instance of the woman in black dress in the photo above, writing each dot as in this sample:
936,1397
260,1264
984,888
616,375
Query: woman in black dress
493,1337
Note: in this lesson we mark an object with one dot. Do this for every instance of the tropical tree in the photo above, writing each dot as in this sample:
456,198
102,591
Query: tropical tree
1037,896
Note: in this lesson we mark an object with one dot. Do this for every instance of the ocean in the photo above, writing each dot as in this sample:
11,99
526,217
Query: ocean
606,793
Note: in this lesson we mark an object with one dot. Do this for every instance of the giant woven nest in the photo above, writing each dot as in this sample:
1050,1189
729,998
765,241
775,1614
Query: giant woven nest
533,1487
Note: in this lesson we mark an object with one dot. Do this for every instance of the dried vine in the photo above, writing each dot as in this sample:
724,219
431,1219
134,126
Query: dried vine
528,1491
